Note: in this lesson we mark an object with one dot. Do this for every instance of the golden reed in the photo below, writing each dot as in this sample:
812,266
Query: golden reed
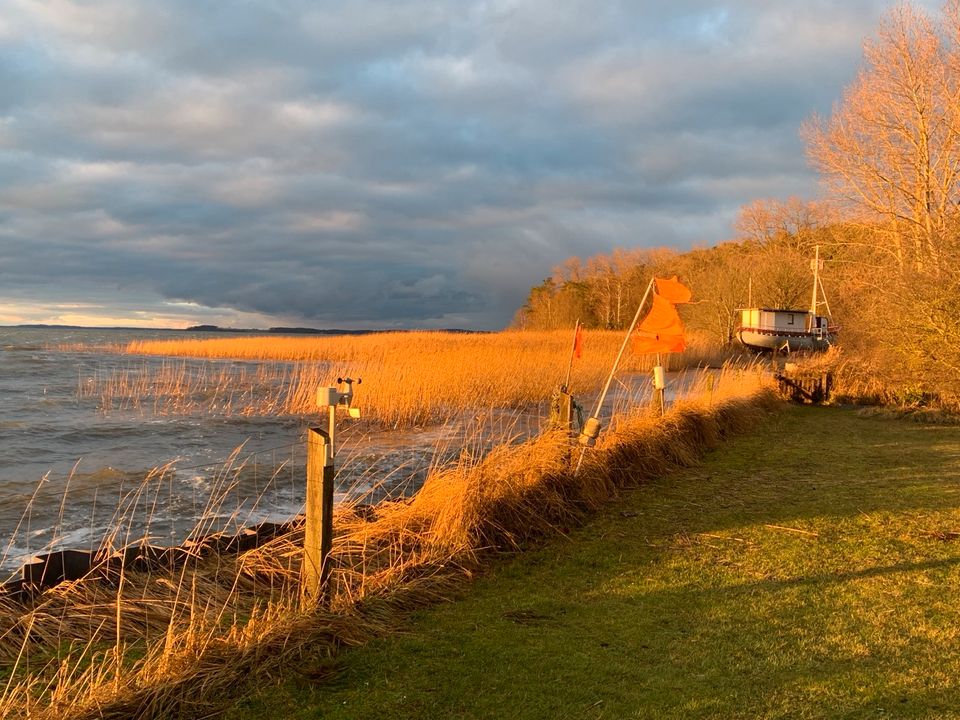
409,378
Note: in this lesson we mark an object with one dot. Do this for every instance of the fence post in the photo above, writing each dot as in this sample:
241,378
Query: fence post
318,533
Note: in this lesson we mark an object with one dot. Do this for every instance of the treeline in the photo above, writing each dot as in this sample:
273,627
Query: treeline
888,227
768,266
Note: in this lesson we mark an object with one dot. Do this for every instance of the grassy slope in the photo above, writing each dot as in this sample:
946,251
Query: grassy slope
682,601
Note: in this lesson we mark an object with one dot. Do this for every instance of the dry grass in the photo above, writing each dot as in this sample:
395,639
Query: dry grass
869,380
162,645
410,378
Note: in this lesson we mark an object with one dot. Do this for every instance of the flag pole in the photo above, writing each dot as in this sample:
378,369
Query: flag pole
660,388
623,347
573,351
591,428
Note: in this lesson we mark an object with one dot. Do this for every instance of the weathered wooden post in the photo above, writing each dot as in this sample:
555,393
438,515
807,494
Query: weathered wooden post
561,410
318,533
562,404
659,384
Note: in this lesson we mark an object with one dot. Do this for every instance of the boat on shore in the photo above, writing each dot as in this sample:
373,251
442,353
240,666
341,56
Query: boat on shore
789,330
783,330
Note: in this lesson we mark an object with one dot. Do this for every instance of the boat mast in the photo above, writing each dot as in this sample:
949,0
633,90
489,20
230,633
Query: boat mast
816,282
823,294
812,316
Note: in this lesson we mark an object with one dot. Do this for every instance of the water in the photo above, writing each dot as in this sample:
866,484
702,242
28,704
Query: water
73,472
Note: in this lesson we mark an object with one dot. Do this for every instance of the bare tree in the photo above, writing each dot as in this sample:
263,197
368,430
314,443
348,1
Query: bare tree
891,144
604,286
891,150
792,223
718,277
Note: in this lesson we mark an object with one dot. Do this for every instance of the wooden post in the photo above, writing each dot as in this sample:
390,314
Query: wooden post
318,533
561,410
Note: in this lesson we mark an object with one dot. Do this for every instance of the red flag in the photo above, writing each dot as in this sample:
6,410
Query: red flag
673,290
661,330
578,342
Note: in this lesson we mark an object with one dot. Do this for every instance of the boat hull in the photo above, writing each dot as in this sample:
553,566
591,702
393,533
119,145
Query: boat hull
773,340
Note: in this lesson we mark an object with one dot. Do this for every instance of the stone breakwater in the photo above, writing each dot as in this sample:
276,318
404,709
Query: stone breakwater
50,569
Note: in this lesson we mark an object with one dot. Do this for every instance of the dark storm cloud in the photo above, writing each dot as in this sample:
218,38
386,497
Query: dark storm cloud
415,164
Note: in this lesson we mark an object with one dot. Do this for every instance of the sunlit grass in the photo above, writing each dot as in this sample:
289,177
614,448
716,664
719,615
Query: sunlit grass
807,570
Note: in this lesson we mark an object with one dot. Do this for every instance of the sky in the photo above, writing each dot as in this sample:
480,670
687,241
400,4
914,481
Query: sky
385,164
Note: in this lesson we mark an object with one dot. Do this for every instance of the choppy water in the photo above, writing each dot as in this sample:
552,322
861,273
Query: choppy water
72,472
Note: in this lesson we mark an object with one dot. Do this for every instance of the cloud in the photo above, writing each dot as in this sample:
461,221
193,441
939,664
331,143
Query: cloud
374,164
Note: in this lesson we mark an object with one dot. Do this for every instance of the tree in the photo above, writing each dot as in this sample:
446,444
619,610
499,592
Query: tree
891,146
719,278
554,304
793,223
603,289
891,151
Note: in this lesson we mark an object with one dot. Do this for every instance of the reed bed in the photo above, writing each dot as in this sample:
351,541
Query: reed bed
409,378
174,645
177,387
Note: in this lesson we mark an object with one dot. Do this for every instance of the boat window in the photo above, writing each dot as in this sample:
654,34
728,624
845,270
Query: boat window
790,319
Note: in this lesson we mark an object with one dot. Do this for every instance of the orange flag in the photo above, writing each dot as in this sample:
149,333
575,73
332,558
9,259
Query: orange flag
662,329
578,342
673,290
643,344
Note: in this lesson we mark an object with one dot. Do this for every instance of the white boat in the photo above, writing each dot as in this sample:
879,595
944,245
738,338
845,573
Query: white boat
783,330
789,330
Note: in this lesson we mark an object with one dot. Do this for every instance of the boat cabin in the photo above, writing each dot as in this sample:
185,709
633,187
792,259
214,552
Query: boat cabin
782,322
775,329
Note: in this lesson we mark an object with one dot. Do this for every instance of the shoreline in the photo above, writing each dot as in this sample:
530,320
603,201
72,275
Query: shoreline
453,542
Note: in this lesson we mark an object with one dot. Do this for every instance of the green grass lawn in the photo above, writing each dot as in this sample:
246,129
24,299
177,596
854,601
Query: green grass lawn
811,569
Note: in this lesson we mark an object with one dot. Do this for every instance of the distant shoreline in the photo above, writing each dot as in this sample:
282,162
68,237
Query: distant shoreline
218,329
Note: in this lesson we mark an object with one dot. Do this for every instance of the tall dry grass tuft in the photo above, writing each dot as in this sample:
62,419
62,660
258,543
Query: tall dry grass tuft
175,644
